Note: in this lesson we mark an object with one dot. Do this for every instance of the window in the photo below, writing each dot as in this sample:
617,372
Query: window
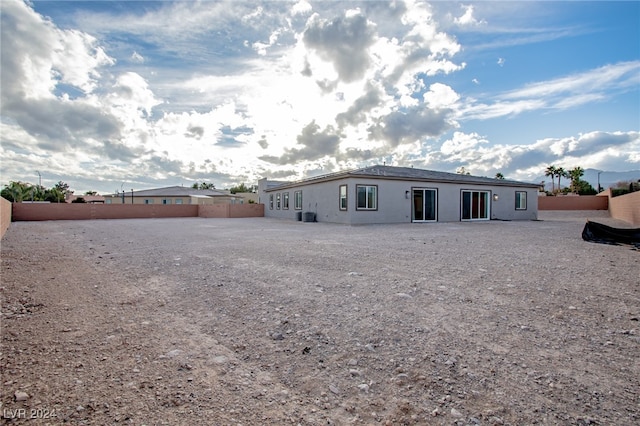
367,196
148,201
343,197
178,200
107,200
297,200
521,200
270,201
166,201
475,205
285,201
278,201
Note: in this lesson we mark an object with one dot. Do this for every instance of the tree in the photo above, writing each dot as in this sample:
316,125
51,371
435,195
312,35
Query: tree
62,187
16,191
551,171
582,187
499,176
203,185
560,173
91,193
240,188
462,171
79,200
575,174
54,195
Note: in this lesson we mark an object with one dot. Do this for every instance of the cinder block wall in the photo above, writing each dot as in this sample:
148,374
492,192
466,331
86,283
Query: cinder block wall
64,211
5,216
231,210
626,207
570,202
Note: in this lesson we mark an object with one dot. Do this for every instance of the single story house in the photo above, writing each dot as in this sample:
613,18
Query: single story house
386,194
174,195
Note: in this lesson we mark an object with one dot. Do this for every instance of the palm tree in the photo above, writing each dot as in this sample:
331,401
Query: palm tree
551,171
499,175
575,174
561,173
17,192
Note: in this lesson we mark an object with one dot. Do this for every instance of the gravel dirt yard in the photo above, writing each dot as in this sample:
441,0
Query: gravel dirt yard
260,321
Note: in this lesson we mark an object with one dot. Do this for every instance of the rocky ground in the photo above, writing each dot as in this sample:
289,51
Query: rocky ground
260,321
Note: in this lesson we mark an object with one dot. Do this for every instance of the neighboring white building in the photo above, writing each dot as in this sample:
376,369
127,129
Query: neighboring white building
386,194
174,195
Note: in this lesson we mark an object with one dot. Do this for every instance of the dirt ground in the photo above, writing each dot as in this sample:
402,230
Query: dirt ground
260,321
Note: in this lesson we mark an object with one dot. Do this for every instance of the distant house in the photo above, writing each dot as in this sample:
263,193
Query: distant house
386,194
174,195
90,199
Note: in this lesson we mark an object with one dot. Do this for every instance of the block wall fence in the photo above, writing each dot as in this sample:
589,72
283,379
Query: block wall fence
63,211
5,216
626,207
574,202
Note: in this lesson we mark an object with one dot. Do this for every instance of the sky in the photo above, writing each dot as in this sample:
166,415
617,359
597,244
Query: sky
120,95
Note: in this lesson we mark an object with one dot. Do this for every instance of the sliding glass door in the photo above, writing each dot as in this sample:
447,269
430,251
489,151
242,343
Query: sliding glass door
475,205
425,205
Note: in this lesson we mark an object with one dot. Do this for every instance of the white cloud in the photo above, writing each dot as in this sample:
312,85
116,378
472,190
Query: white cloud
440,95
136,57
233,91
560,93
467,18
527,161
301,8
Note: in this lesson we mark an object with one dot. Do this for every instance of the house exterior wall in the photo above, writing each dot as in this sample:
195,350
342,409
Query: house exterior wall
322,198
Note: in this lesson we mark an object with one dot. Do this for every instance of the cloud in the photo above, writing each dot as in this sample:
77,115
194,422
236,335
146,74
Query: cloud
411,125
528,161
238,90
302,7
467,18
137,58
38,58
560,93
501,61
356,113
315,144
343,41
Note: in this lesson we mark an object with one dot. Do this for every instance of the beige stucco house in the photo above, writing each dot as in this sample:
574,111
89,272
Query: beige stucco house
386,194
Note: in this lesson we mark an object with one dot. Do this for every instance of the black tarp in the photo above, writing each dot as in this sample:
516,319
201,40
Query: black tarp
598,233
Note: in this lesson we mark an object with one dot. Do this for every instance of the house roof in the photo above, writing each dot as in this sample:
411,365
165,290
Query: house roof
408,173
180,191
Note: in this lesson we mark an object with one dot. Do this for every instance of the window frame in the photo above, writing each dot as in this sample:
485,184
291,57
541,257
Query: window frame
278,201
270,201
297,200
285,201
375,199
519,198
343,198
